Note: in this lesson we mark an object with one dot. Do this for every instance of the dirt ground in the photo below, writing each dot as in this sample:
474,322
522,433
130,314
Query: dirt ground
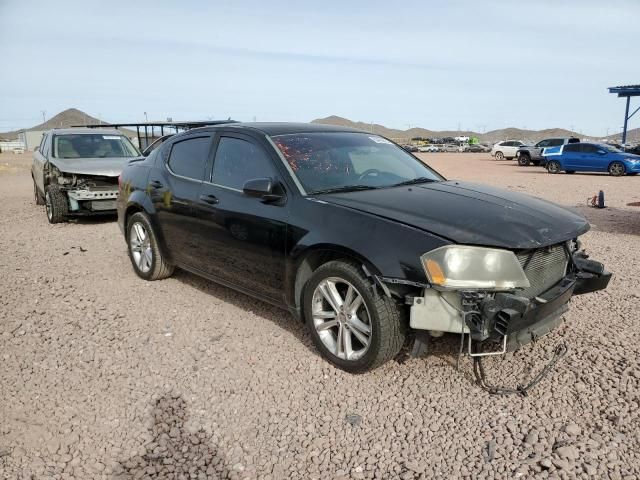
103,375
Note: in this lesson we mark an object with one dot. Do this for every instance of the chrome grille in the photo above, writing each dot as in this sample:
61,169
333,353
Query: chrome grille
543,267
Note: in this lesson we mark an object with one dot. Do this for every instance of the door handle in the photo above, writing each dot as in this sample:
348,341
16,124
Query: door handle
210,199
156,184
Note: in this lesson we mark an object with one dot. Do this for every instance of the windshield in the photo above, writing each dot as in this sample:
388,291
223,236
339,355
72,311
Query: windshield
344,160
611,148
93,145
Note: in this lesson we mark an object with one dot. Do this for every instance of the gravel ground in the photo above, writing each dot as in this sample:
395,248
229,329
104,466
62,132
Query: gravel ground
106,376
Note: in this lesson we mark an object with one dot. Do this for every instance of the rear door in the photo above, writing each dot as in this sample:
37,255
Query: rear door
242,239
571,157
39,161
174,185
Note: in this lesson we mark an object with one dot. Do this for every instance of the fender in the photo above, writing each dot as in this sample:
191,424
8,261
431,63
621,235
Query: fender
138,199
362,236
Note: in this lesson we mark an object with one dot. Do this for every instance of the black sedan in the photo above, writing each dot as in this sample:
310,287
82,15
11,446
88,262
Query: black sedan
355,236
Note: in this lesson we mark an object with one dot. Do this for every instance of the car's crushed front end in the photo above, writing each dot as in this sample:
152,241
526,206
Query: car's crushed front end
89,194
513,297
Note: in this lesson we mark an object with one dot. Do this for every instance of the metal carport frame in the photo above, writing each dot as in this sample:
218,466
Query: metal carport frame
626,91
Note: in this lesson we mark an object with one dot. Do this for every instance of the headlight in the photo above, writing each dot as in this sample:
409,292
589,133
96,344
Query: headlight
457,266
64,180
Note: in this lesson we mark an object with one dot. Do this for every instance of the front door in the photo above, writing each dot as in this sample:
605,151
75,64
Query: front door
174,186
242,238
594,158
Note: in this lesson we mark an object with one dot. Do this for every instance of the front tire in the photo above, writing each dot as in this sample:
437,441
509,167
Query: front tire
617,169
553,167
56,204
37,196
524,159
144,252
352,326
499,156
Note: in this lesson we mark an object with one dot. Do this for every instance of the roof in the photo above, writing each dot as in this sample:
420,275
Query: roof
286,128
626,90
187,125
75,131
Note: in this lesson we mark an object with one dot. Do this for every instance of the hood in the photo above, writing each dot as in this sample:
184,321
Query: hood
108,167
471,214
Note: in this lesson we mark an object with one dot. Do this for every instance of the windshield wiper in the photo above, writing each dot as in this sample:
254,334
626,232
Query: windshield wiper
414,181
344,188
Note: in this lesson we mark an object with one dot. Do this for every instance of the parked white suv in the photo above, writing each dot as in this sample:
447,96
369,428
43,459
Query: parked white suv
506,149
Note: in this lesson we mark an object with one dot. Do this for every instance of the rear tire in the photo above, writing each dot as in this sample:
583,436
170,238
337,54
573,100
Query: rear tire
352,326
553,167
617,169
499,156
56,203
524,160
145,255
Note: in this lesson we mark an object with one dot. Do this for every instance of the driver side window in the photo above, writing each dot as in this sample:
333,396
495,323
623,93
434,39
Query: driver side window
237,161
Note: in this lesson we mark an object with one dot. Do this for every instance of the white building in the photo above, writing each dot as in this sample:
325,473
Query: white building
30,138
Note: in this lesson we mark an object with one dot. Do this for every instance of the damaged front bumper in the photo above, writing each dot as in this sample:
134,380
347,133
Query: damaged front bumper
506,316
86,201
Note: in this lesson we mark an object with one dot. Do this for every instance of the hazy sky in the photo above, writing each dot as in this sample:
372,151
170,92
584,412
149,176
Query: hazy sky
436,64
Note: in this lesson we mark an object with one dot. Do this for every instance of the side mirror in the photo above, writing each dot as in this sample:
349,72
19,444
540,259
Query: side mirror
602,152
262,188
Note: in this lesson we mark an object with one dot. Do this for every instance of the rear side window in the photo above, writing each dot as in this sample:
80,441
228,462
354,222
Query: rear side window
573,147
188,158
238,161
44,145
589,148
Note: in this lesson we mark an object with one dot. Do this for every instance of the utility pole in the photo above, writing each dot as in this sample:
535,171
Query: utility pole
146,119
44,113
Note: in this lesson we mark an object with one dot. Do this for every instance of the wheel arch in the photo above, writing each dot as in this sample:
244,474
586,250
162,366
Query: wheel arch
312,258
138,203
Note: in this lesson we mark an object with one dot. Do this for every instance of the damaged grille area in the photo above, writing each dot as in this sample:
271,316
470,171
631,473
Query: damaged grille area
544,267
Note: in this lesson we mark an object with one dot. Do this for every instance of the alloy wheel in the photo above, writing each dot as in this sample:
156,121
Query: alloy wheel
616,169
553,167
341,318
140,245
47,202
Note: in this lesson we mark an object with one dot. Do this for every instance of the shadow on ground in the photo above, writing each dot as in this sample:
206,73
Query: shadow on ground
173,452
612,220
282,318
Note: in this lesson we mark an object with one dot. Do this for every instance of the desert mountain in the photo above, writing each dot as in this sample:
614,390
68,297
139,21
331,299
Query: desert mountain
67,118
491,136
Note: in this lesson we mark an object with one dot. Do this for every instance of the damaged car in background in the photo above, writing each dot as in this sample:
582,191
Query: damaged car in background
370,247
75,171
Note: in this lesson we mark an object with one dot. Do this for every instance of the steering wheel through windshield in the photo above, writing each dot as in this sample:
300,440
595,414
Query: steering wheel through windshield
366,173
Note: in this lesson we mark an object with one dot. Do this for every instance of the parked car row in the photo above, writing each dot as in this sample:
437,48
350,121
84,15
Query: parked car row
570,155
451,147
370,247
